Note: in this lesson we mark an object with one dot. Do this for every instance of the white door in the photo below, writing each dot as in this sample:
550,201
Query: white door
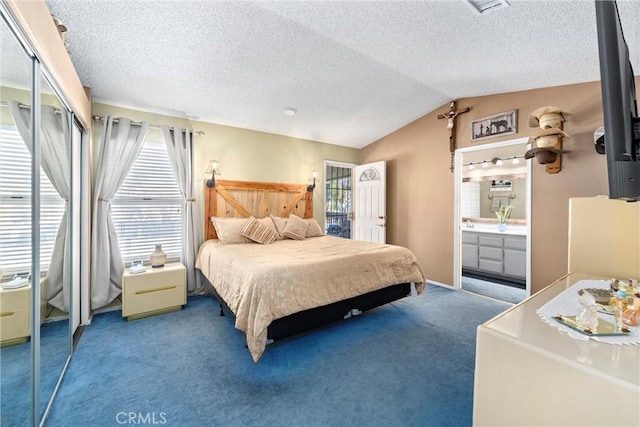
370,209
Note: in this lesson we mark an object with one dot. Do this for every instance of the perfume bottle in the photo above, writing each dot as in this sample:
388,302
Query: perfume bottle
631,314
618,303
587,319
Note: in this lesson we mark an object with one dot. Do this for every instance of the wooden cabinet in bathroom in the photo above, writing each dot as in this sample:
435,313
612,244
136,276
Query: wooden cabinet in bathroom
495,254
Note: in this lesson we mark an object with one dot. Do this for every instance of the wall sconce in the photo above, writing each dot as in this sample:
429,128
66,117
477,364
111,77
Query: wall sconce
312,187
213,165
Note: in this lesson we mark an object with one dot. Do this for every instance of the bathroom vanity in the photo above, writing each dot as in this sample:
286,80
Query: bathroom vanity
498,254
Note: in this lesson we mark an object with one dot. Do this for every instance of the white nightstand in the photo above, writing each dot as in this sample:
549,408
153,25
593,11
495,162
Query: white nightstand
15,316
155,291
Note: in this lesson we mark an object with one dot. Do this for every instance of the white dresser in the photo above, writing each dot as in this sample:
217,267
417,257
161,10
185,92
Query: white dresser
529,373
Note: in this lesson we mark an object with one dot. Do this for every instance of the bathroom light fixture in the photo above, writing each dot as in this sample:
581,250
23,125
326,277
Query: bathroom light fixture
213,165
289,112
312,187
494,161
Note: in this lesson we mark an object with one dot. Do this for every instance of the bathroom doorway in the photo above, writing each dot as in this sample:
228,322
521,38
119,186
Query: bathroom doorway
490,258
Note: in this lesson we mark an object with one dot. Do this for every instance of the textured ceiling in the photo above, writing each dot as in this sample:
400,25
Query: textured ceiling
354,71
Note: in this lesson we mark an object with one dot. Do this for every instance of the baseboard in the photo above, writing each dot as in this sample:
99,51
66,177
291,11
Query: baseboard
444,285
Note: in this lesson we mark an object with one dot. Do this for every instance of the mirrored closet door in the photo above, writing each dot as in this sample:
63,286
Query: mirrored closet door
15,232
55,240
40,176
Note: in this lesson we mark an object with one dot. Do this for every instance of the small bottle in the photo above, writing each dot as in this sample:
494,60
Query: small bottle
587,319
618,303
631,315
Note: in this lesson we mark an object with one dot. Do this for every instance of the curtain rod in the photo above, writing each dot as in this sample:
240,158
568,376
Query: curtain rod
98,118
21,105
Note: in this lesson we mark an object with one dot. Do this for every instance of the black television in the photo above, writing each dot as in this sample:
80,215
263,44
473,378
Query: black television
619,105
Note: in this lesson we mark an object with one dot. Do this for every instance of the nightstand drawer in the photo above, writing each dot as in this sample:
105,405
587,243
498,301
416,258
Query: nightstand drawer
161,297
14,325
15,299
154,279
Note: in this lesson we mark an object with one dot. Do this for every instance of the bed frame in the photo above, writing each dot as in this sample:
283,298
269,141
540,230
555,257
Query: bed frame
260,199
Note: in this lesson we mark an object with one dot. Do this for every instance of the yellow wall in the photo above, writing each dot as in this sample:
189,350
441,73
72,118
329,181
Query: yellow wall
246,155
421,197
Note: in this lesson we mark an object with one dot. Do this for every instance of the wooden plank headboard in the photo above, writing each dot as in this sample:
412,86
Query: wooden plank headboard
242,199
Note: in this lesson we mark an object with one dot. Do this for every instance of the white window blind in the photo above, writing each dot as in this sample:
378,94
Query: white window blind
147,209
15,207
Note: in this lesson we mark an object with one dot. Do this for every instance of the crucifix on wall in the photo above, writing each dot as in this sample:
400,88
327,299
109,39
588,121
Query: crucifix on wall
451,117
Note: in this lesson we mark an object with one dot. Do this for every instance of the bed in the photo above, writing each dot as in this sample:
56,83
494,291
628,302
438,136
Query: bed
291,285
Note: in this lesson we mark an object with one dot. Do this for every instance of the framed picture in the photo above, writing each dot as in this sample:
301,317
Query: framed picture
497,125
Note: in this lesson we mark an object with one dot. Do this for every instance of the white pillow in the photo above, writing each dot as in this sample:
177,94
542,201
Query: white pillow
229,229
279,223
296,228
314,229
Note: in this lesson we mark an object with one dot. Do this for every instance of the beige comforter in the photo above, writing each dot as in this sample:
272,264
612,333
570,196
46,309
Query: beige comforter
261,283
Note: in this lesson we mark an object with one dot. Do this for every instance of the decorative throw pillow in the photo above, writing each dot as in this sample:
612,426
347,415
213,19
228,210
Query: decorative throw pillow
279,223
314,229
268,222
228,229
296,228
258,232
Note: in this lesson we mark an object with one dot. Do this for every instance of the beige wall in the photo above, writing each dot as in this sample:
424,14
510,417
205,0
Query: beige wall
421,187
246,155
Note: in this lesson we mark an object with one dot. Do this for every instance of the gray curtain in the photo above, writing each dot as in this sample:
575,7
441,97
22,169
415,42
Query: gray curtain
54,151
121,143
180,149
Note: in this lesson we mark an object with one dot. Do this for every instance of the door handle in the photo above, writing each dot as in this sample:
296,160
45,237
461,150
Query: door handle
382,217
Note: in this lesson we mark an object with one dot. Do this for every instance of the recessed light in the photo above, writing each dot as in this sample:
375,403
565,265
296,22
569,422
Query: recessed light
289,111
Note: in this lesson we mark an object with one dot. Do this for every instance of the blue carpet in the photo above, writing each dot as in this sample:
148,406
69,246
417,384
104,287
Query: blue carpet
409,363
15,373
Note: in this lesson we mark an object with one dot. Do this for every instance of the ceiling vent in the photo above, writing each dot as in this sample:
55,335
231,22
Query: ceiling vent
485,6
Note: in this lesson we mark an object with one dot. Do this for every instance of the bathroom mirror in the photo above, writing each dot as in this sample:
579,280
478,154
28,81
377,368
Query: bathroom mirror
15,191
485,196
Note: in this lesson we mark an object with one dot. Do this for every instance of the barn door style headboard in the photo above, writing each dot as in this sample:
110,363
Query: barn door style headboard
241,199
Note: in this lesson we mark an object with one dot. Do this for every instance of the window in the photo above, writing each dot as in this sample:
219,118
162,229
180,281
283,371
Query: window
147,209
15,207
338,203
